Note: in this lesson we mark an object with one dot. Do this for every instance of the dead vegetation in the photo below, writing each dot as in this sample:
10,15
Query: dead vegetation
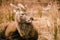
46,22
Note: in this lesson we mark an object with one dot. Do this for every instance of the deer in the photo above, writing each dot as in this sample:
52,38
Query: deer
23,23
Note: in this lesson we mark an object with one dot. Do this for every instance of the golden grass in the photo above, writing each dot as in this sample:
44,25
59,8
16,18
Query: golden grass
45,32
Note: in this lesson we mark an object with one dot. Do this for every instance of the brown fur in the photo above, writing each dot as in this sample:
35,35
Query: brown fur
29,31
24,26
10,28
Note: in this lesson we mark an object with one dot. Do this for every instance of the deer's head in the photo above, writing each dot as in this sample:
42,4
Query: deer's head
21,14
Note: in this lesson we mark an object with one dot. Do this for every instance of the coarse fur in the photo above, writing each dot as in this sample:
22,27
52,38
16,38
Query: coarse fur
26,27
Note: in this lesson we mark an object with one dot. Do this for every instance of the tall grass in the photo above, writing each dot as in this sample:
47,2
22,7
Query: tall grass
11,17
0,2
6,17
40,13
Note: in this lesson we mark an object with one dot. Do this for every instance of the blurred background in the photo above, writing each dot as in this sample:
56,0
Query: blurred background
46,13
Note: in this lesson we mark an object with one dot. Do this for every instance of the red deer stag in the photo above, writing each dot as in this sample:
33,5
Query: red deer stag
23,23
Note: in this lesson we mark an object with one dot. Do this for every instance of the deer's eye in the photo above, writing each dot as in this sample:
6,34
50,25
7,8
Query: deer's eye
22,14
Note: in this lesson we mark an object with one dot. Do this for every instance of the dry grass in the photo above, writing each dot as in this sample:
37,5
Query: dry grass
45,23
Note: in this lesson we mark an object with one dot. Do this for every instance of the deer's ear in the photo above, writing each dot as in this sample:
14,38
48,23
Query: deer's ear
21,6
13,6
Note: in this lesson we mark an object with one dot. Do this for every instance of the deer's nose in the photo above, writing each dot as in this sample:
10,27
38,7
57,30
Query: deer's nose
31,18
